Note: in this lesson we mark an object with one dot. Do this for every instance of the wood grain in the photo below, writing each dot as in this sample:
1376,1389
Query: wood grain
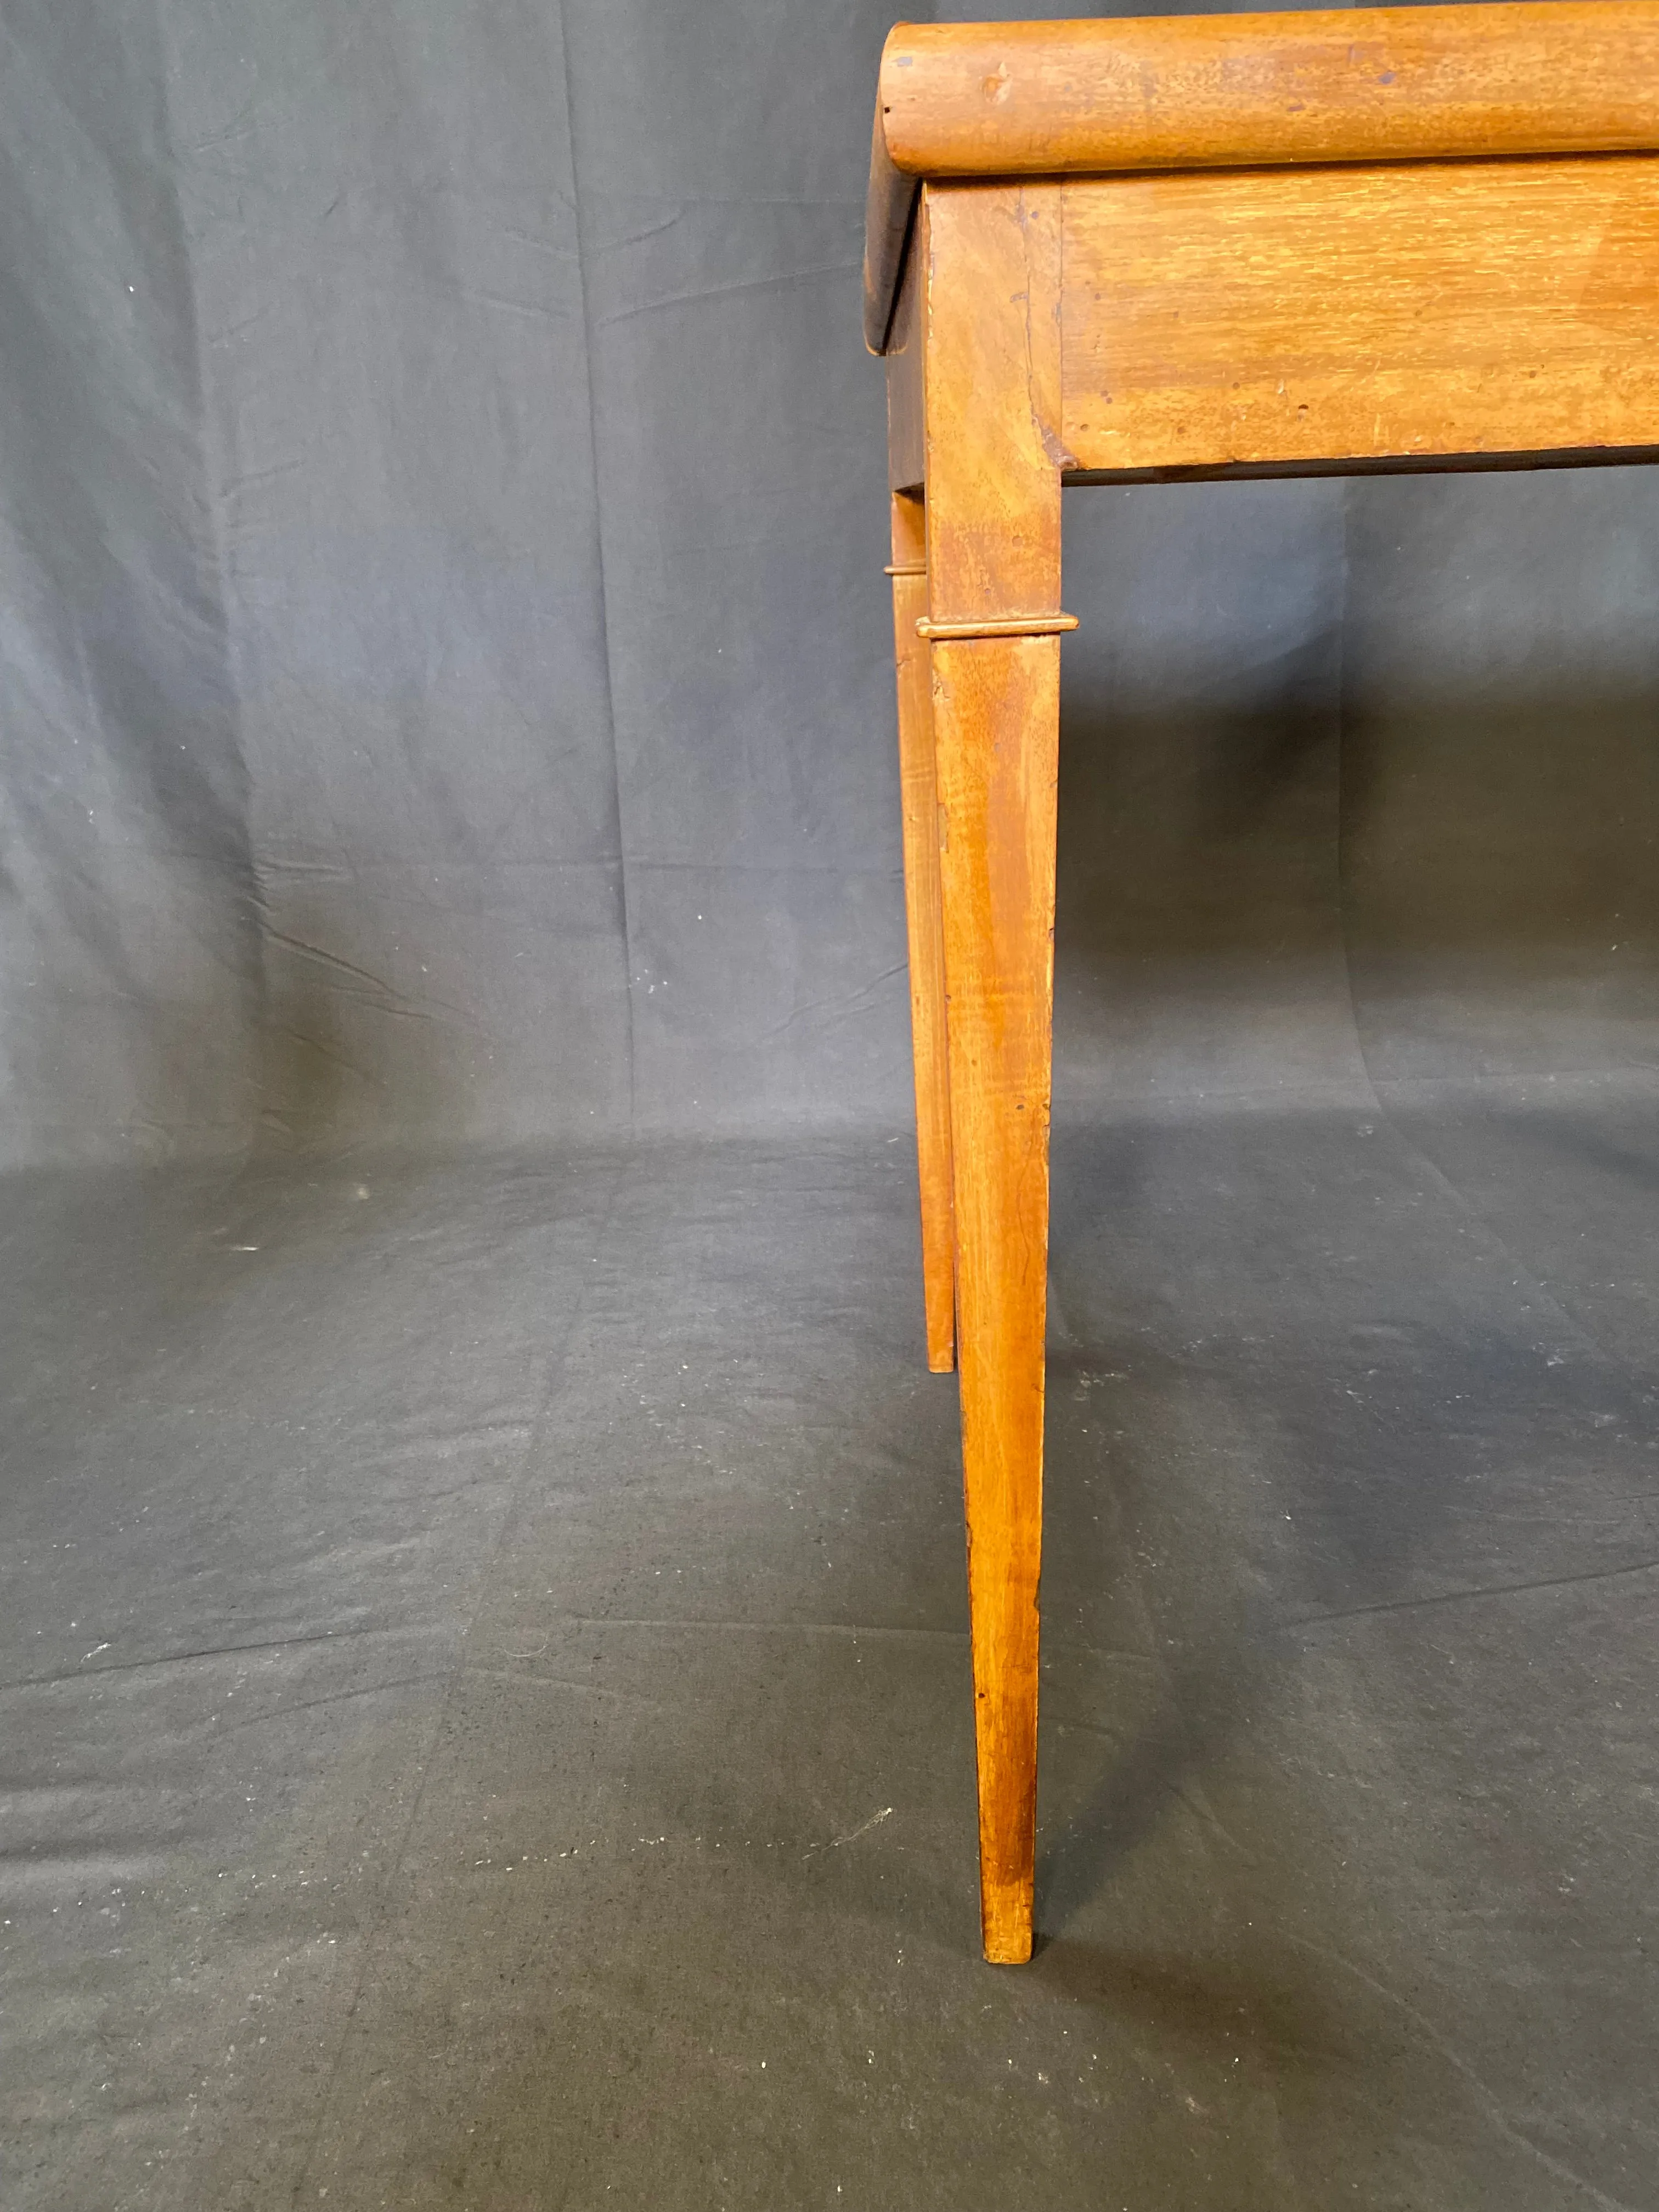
1291,315
991,262
1377,85
1183,92
924,919
990,267
996,706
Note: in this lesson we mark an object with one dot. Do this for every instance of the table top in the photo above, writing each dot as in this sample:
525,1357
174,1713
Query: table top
1108,94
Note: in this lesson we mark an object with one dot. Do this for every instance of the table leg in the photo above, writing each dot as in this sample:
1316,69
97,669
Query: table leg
988,260
996,718
922,902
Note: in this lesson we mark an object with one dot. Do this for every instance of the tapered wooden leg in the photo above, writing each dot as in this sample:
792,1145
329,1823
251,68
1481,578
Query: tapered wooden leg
996,703
921,904
990,259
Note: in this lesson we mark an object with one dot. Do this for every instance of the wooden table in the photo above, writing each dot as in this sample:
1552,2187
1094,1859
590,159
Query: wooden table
1114,250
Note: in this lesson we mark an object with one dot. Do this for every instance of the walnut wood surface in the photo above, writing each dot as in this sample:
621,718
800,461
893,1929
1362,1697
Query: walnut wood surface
1185,92
1344,314
997,716
990,292
990,275
919,794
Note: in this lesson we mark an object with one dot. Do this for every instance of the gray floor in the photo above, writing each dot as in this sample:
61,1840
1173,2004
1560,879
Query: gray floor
486,1708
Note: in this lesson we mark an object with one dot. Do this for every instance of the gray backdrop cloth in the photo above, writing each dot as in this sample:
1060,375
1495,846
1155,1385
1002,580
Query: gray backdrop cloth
484,1666
446,658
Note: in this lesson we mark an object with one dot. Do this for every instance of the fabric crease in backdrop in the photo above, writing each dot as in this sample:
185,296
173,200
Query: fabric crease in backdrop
448,694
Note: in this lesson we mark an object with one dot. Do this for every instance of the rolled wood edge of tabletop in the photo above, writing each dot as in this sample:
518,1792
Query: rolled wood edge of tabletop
1106,94
1503,77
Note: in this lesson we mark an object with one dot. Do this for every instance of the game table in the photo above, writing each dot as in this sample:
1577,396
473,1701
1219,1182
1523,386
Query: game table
1155,249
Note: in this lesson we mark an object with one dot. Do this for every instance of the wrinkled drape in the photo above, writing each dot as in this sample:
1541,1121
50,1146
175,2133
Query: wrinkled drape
446,656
